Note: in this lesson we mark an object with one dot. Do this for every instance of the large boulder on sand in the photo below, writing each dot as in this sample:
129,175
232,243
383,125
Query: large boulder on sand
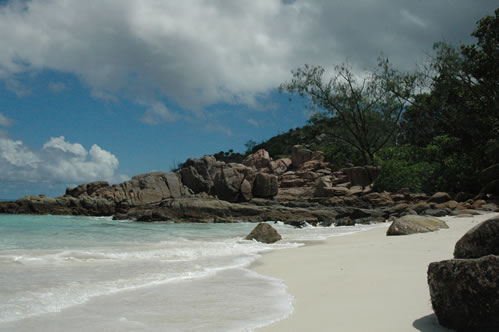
411,224
264,233
479,241
465,293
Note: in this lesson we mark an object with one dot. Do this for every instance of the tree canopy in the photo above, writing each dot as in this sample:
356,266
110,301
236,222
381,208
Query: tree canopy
366,107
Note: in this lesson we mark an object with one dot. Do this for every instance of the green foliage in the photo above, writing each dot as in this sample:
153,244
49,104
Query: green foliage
441,165
455,170
401,168
229,156
366,110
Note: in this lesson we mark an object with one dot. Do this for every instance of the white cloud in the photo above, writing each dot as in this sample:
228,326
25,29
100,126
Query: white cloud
198,52
57,87
157,113
5,121
216,127
17,87
253,122
58,161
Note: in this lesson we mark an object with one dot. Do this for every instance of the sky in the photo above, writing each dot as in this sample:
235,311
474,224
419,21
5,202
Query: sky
107,89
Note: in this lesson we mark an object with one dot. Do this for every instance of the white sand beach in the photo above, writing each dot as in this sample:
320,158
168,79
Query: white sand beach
363,282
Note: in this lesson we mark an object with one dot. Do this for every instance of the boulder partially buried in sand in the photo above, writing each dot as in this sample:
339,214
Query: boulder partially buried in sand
464,293
411,224
264,233
479,241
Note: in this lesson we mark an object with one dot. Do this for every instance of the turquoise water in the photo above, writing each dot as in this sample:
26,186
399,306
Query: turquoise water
61,273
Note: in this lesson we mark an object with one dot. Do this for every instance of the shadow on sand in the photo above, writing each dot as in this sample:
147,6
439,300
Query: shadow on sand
429,324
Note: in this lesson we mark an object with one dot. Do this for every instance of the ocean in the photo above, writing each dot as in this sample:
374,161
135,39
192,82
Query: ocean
68,273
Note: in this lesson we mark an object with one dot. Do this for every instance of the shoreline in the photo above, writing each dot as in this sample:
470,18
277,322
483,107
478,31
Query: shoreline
365,281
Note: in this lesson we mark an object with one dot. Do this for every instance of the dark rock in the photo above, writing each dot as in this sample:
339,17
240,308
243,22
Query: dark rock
361,176
435,212
297,224
440,197
462,197
347,221
357,213
264,233
491,188
481,240
465,293
410,224
265,185
490,174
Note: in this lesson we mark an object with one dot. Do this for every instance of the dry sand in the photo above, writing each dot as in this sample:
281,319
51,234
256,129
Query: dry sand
363,282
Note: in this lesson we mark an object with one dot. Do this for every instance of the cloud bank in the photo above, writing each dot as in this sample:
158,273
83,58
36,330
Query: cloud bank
197,52
58,161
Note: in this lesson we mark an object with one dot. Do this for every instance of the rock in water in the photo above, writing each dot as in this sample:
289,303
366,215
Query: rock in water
465,293
481,240
411,224
264,233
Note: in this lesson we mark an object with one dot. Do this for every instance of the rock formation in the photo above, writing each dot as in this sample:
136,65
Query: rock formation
479,241
465,291
299,189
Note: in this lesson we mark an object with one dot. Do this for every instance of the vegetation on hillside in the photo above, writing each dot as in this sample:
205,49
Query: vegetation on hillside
441,139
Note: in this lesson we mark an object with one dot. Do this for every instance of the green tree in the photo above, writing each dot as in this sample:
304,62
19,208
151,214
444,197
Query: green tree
459,116
463,101
366,108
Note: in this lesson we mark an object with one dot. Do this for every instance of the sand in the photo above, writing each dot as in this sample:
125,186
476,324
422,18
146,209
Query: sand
363,282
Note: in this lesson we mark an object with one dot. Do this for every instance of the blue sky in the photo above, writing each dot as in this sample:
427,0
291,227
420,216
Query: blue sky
104,90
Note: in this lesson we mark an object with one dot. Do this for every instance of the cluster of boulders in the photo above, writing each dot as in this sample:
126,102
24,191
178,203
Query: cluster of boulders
302,188
465,290
229,182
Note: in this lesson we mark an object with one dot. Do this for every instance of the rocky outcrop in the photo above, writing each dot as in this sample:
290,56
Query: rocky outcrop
300,155
301,189
265,185
231,182
479,241
64,205
465,290
143,188
260,160
465,293
411,224
264,233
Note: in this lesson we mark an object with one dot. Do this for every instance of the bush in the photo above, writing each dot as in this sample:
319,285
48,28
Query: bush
396,174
